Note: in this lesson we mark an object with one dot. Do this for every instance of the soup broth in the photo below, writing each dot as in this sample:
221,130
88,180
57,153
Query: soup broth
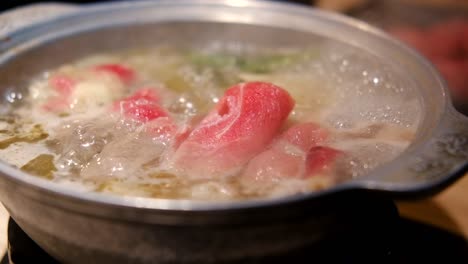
224,122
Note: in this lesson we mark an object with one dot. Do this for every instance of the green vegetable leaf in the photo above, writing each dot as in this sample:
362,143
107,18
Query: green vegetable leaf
264,63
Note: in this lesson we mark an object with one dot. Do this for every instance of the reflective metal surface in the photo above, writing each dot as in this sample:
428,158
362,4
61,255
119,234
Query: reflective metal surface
80,227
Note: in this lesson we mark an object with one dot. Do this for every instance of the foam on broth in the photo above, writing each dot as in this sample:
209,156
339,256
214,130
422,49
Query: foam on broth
76,136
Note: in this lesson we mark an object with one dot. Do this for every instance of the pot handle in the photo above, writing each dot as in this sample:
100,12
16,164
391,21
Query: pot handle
426,171
21,17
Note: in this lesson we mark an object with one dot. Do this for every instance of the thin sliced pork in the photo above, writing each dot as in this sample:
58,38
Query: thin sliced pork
295,154
242,124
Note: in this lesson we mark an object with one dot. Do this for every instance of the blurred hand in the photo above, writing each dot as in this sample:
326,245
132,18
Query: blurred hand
446,46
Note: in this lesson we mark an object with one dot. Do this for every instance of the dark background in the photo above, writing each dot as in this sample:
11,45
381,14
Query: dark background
8,4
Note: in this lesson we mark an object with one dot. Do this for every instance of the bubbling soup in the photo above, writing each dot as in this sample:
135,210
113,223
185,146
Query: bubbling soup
223,122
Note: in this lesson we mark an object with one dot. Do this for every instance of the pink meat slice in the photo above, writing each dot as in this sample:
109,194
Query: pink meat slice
122,72
63,85
305,135
241,125
319,159
142,106
140,144
286,157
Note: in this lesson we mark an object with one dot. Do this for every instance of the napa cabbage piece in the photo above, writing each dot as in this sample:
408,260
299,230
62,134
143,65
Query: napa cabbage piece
35,134
41,166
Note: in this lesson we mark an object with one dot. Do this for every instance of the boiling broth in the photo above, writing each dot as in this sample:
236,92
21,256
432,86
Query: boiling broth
149,122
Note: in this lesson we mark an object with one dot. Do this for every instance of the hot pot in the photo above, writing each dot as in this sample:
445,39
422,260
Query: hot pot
76,227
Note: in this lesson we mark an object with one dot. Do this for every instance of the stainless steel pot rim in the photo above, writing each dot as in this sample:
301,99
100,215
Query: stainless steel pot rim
45,186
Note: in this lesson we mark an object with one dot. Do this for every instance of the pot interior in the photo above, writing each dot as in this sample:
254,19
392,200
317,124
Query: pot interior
31,52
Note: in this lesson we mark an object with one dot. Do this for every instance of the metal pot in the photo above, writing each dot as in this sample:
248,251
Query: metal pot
77,227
